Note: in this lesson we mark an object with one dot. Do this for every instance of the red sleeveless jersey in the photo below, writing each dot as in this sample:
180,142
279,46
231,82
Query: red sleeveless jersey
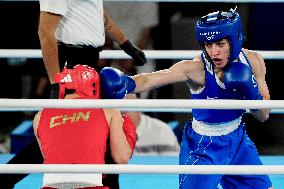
73,136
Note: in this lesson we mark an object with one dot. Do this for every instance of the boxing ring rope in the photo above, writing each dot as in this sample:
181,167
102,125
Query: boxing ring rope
141,105
119,54
192,1
143,169
179,105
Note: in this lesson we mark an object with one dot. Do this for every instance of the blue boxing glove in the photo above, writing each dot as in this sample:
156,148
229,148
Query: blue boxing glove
239,76
115,84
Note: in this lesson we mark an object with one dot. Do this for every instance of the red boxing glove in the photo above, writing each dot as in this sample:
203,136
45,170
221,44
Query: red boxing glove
129,130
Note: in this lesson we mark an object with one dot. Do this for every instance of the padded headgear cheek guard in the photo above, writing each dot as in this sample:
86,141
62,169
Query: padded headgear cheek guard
81,78
220,25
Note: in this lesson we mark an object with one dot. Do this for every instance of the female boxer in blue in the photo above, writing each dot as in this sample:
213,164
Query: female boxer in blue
224,70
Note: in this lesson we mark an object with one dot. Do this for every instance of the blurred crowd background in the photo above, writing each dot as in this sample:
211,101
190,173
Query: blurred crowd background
150,25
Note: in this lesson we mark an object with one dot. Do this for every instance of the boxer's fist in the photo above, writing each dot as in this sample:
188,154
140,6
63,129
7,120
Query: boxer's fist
115,84
239,76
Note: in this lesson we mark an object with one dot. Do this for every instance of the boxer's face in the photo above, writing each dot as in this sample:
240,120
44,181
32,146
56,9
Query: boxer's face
219,52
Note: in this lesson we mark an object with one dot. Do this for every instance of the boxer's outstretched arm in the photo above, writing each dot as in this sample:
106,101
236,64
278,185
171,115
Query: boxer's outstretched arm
180,71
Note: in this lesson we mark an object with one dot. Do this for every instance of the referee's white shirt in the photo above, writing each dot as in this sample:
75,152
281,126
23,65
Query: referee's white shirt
82,21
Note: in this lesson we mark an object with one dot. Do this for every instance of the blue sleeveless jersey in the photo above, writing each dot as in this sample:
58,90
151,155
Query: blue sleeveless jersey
215,89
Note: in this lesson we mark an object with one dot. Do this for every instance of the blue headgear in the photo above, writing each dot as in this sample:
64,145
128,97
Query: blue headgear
219,25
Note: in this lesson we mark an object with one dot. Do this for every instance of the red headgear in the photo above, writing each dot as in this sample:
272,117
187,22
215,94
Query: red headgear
83,79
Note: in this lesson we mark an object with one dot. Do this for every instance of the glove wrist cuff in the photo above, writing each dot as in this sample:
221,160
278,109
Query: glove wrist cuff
126,44
131,85
54,91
